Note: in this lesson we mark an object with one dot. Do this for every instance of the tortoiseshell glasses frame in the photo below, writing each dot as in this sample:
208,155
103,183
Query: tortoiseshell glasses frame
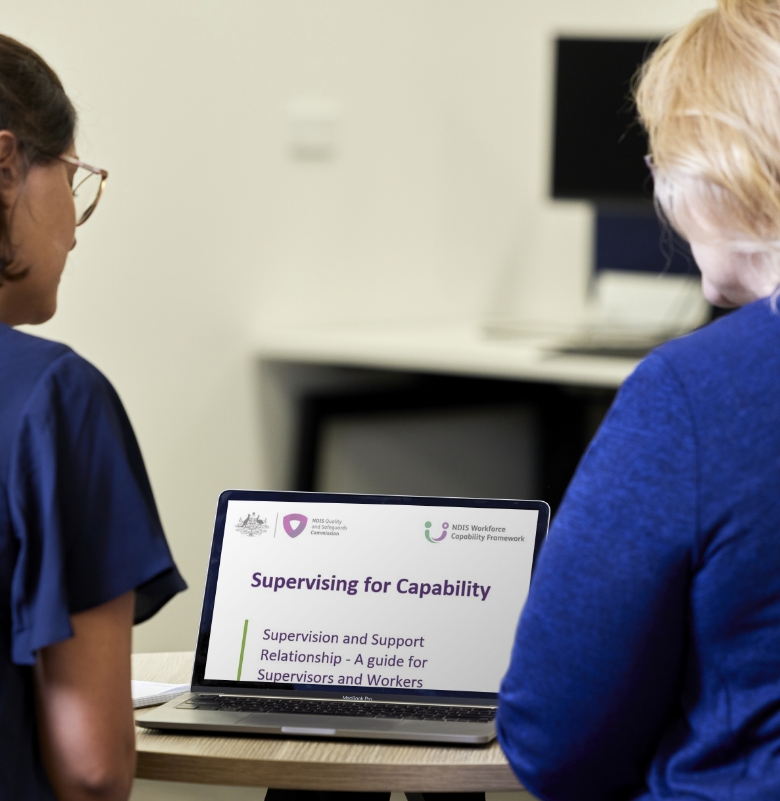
102,174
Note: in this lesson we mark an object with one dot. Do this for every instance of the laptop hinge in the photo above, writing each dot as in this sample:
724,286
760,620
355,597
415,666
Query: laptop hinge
353,701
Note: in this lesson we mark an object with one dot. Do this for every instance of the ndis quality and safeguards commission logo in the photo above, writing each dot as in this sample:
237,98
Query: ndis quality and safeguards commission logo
444,527
252,525
294,524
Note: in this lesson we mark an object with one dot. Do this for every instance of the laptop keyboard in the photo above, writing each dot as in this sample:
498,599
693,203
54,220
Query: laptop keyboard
295,706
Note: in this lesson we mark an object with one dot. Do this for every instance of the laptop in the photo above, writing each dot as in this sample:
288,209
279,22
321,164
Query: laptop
358,616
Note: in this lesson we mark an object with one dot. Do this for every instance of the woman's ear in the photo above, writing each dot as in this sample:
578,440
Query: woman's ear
10,168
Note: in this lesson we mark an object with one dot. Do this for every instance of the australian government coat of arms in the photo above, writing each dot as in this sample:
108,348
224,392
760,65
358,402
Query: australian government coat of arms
252,525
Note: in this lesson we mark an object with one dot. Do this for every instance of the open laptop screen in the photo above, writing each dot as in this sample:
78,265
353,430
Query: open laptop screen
366,594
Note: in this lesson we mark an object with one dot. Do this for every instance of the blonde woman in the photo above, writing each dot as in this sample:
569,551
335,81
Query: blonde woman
647,660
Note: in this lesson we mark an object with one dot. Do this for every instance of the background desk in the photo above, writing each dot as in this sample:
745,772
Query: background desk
307,764
305,373
450,349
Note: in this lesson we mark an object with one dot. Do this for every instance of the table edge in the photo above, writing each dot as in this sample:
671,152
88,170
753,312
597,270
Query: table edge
293,774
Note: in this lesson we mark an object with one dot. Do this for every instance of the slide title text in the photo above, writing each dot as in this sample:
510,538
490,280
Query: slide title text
458,588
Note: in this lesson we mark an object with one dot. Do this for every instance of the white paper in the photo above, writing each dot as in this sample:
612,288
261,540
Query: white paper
148,693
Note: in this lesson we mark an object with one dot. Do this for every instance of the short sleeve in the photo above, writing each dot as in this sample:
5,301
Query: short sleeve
597,667
82,510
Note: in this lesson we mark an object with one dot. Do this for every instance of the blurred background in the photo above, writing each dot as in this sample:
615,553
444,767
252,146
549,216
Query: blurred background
284,163
280,167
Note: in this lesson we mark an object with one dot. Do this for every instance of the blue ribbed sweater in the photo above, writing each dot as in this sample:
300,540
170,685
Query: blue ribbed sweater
647,659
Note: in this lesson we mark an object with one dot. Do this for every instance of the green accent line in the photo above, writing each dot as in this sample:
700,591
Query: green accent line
241,657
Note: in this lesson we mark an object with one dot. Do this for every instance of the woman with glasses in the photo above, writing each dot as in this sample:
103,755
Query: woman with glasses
647,659
82,551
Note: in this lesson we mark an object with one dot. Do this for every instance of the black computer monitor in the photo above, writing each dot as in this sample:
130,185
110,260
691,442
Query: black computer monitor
598,155
598,144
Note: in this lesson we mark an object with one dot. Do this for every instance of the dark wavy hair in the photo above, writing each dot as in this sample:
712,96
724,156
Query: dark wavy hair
35,108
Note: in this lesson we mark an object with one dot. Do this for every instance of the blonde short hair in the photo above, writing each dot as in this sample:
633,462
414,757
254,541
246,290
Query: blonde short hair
709,98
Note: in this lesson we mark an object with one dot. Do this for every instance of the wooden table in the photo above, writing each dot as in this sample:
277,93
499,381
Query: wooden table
307,764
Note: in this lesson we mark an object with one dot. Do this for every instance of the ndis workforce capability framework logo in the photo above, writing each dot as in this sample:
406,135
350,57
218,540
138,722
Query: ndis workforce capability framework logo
294,524
444,527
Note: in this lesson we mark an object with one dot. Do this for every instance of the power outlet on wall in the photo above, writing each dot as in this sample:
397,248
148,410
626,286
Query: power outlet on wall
312,128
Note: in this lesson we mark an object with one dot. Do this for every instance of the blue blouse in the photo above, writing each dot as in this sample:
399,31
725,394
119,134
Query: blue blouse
647,659
78,526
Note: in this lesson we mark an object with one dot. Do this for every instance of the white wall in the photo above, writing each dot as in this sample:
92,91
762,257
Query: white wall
434,205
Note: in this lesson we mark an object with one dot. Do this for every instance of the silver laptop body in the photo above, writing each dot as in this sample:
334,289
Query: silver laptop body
358,616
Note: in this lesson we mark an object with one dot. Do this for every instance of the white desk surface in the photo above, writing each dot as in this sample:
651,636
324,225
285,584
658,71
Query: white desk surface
451,349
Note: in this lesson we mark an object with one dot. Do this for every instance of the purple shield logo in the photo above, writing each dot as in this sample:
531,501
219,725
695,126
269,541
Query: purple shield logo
294,524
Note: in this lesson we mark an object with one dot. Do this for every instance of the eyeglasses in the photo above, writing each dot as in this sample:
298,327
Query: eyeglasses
88,184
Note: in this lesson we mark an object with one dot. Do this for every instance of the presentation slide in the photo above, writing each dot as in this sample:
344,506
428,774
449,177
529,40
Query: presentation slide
370,596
